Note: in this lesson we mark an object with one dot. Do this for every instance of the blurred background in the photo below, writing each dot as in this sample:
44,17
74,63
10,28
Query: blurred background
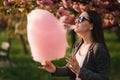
16,62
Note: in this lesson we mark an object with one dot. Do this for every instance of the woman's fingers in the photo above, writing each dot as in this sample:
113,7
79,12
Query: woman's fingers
72,68
70,60
47,62
50,67
73,64
46,66
74,59
41,67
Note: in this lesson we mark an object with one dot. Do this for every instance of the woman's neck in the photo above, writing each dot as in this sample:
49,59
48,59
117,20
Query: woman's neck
87,38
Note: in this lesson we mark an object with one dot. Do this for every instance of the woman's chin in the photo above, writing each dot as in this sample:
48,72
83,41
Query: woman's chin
76,30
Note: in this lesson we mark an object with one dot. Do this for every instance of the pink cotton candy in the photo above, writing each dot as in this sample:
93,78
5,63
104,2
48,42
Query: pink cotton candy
46,36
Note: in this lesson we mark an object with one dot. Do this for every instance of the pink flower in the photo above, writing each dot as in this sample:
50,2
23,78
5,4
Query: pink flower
66,3
62,12
84,7
10,1
45,2
76,6
116,13
23,1
70,19
5,3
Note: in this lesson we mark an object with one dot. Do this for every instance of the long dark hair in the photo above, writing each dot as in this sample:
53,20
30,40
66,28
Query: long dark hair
97,32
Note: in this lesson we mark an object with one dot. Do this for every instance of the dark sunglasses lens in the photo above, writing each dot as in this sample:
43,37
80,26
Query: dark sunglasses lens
81,19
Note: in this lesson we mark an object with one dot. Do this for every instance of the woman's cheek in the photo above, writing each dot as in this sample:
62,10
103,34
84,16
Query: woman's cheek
78,29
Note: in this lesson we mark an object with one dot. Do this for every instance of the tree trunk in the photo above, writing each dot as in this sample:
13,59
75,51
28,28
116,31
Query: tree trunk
23,44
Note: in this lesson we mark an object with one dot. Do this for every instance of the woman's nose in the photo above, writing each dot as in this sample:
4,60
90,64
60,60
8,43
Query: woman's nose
76,24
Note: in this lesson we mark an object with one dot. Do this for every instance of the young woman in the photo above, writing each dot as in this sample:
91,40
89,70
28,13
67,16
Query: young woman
90,59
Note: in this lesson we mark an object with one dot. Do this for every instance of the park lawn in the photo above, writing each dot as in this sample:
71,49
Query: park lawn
26,69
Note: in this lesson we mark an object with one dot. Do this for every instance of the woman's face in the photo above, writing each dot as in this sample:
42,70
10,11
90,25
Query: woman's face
82,24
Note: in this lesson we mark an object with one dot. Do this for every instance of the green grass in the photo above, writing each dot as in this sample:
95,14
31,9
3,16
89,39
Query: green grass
114,47
26,69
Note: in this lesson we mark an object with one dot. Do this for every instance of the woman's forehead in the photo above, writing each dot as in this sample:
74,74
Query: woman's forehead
84,14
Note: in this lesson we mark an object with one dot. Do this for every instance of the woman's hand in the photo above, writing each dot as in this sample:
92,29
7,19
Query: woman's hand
73,65
50,67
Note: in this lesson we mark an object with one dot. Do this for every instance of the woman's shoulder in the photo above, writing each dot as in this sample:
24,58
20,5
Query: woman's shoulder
100,49
98,46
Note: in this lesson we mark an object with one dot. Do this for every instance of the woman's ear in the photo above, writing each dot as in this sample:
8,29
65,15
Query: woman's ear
91,26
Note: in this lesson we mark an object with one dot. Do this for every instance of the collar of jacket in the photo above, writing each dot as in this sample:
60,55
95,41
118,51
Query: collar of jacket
76,48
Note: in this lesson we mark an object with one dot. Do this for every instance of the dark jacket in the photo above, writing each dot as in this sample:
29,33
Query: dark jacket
96,65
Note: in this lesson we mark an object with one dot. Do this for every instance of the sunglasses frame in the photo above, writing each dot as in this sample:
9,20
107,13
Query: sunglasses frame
81,19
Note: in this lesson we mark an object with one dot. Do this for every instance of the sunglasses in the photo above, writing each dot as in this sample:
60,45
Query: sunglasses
81,19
